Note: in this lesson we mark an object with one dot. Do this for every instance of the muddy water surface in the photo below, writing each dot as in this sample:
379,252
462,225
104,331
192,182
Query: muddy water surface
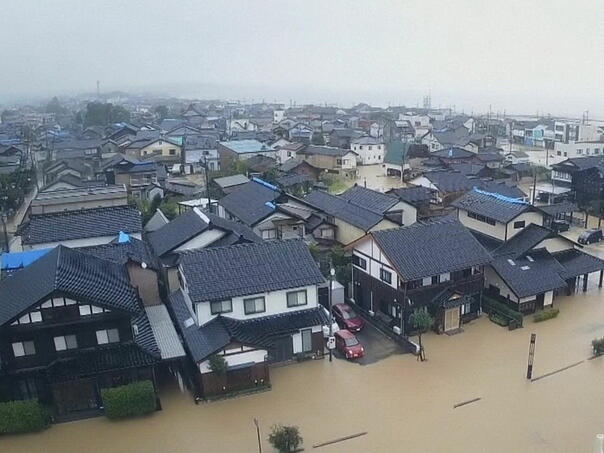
403,405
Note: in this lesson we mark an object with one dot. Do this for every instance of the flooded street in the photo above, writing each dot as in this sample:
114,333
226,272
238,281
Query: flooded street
402,404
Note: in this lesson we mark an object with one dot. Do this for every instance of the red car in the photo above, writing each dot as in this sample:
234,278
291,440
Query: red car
347,318
348,344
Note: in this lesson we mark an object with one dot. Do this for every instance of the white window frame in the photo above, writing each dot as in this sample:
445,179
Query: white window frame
297,301
255,301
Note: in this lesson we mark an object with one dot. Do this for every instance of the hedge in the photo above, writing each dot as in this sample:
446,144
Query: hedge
129,400
22,417
546,314
493,306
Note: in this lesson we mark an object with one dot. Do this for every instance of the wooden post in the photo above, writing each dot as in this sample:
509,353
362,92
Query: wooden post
531,357
601,278
585,277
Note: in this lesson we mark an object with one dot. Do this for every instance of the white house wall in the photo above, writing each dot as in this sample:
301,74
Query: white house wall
376,260
275,303
253,356
554,245
201,240
492,278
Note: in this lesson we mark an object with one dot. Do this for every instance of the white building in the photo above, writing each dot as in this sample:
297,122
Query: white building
370,150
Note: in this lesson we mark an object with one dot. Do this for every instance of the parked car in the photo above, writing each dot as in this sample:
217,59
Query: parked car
590,236
348,344
559,226
347,318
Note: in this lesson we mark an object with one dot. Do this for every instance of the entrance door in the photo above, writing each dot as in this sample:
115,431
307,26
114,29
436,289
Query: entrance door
73,396
451,319
283,349
540,300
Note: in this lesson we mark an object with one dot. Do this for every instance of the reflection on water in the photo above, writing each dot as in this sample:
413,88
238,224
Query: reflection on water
404,405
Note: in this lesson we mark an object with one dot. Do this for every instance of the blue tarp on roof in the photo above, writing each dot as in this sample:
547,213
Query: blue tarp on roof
123,237
18,260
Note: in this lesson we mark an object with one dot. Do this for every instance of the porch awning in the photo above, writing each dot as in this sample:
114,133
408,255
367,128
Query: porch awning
575,263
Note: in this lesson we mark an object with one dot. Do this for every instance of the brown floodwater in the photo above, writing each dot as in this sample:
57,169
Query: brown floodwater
402,404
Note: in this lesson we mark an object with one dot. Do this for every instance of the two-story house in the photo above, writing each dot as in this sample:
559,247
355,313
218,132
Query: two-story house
531,262
437,265
252,304
71,324
272,213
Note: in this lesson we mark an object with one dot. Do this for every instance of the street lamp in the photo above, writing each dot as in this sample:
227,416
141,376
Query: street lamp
332,273
258,433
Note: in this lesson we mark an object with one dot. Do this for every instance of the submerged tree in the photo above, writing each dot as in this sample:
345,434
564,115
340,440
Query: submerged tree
286,439
421,320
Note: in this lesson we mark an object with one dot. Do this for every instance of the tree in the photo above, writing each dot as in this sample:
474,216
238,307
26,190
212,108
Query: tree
421,320
217,364
317,139
286,439
54,106
162,112
100,114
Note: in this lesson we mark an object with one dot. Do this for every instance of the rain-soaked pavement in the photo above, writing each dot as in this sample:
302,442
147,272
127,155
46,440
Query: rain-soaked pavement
403,405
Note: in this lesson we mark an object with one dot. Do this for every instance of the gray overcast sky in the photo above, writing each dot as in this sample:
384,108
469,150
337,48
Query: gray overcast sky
524,56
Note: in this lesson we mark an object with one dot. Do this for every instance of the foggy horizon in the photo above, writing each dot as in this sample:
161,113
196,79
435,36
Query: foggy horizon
519,58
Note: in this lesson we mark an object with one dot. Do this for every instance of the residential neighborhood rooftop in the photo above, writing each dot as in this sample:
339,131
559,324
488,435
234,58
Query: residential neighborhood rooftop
244,269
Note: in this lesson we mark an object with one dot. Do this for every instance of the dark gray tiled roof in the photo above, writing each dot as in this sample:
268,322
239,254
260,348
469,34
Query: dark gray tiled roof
224,272
248,202
230,181
576,262
81,276
492,205
350,213
581,163
208,339
369,199
528,278
414,195
502,188
559,208
121,252
524,241
488,242
453,152
190,224
422,250
451,181
86,223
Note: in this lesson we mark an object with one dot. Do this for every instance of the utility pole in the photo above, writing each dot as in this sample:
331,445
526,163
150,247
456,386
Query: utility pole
258,433
529,369
332,273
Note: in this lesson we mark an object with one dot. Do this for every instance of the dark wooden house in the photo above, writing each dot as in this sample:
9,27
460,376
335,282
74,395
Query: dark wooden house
434,265
71,324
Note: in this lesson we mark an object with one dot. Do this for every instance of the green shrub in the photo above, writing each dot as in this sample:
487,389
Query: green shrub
285,439
493,306
129,400
544,315
598,346
22,417
497,319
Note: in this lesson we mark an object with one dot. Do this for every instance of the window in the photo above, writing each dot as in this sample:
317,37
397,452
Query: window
255,305
107,336
338,161
269,234
172,151
386,275
596,150
369,147
306,335
326,233
359,262
24,348
435,279
222,306
519,224
482,218
579,151
296,298
85,310
63,343
466,308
